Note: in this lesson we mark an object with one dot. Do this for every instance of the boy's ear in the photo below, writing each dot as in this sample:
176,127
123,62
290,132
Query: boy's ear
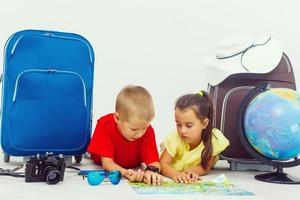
205,123
116,117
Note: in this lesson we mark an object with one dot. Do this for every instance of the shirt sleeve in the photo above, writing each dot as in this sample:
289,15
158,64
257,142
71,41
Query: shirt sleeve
219,142
149,151
101,143
171,143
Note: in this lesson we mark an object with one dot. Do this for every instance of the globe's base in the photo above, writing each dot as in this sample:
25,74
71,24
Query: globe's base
277,177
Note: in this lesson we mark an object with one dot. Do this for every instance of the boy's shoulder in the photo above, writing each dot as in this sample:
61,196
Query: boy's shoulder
107,121
107,117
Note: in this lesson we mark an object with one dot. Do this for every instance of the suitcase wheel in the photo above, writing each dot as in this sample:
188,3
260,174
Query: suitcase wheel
78,158
6,157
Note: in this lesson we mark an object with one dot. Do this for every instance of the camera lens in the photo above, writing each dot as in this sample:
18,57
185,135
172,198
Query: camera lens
52,175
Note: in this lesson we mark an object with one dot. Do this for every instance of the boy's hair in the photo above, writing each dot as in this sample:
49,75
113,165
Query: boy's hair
202,105
134,102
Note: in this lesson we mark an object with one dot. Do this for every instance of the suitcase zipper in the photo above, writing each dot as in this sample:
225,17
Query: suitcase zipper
214,98
49,71
289,67
224,105
52,35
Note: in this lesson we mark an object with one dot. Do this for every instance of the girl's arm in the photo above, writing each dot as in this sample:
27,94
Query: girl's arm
199,170
166,161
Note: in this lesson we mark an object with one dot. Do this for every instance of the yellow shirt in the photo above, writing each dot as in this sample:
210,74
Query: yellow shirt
183,158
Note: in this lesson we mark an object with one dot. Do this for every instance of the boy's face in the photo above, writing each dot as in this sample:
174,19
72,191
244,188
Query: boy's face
133,129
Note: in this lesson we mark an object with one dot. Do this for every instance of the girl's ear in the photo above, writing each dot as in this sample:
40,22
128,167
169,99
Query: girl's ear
205,123
116,117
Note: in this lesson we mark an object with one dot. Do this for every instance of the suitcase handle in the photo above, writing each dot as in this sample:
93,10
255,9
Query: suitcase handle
51,35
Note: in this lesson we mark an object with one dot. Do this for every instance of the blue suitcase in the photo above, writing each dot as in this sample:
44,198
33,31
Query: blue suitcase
46,94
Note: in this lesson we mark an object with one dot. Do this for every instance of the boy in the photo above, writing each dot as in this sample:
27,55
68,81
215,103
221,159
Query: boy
125,139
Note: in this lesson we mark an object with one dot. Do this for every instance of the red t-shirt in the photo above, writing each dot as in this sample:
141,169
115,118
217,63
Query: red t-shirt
107,141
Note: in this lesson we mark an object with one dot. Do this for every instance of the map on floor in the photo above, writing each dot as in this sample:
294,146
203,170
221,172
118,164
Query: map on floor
219,186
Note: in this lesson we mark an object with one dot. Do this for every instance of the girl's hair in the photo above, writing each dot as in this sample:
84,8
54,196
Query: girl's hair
202,105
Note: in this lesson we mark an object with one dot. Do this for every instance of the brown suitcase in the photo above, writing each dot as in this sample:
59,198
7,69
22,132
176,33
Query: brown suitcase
229,94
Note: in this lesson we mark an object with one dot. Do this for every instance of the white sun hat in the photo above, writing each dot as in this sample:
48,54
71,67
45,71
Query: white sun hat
242,54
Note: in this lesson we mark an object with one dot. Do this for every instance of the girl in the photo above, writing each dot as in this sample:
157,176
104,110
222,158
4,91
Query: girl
193,150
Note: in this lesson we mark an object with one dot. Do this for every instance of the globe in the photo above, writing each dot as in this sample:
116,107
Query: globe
272,123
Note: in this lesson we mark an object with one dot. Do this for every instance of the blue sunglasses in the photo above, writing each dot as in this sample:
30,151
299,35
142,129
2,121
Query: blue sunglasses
96,177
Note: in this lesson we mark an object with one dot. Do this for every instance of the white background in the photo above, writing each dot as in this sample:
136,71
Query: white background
157,43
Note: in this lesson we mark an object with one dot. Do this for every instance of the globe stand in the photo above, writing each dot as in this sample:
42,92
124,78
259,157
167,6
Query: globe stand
278,177
274,177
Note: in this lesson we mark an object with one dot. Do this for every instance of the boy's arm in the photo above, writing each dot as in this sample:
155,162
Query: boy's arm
155,164
135,176
152,176
109,164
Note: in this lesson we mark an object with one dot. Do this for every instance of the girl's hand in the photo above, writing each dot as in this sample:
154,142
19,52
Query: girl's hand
134,176
182,177
194,176
152,178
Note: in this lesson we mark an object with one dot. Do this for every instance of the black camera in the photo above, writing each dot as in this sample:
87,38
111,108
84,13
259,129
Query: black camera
46,168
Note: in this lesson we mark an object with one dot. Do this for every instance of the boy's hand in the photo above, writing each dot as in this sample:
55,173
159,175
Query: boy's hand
193,175
152,178
134,176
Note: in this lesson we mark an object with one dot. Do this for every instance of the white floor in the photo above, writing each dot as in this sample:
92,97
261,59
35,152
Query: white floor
74,187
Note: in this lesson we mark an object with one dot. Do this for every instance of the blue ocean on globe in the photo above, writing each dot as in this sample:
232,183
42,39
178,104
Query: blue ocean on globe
272,123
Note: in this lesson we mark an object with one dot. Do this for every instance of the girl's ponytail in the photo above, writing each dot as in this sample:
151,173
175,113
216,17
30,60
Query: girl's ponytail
207,133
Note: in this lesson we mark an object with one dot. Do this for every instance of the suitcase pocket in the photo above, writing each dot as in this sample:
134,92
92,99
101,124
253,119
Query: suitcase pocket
49,111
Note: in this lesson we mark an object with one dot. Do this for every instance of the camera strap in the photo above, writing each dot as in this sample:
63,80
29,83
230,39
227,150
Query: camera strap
12,172
72,167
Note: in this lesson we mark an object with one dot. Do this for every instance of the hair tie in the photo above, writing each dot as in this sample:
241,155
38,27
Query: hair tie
200,93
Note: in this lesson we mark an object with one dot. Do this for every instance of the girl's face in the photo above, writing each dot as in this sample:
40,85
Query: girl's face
189,126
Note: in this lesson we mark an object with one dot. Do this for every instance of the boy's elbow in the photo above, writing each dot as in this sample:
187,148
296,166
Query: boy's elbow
96,158
105,166
106,163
